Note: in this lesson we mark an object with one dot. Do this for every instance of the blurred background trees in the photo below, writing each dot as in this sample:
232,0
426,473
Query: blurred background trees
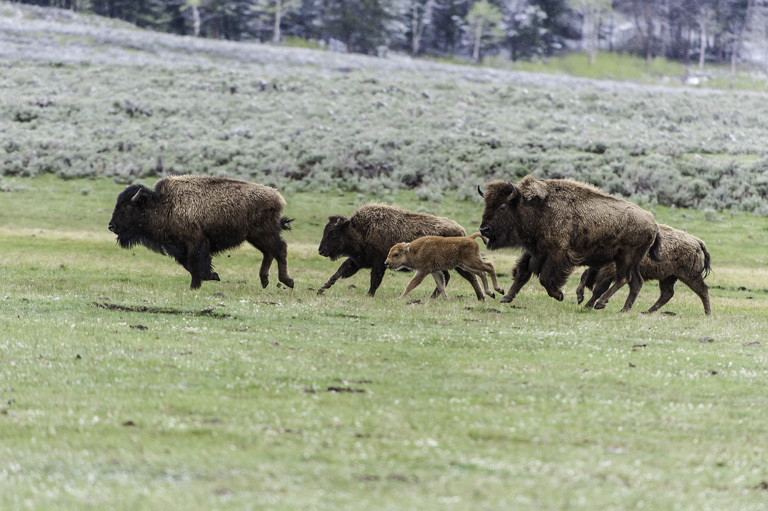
691,31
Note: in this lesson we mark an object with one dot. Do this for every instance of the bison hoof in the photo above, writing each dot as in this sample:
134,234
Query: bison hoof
579,299
287,281
507,299
321,290
599,306
213,276
264,282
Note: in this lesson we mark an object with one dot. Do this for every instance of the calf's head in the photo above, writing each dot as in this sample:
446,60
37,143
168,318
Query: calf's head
335,237
131,214
498,222
397,258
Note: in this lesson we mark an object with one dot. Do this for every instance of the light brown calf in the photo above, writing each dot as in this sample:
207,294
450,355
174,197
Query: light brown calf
436,254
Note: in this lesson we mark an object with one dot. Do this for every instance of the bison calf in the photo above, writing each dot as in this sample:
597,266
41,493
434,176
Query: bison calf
366,237
192,218
683,257
435,255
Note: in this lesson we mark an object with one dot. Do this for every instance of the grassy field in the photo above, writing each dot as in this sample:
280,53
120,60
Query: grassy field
122,388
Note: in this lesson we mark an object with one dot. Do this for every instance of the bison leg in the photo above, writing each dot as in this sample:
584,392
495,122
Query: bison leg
197,262
587,281
522,273
446,278
346,270
438,276
377,274
699,287
483,278
266,264
667,288
486,267
415,281
272,247
625,265
600,282
553,276
635,284
470,277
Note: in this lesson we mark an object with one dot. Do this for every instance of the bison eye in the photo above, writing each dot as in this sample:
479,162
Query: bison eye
503,207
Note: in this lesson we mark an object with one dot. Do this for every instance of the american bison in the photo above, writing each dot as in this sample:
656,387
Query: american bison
366,237
561,224
192,218
435,255
683,257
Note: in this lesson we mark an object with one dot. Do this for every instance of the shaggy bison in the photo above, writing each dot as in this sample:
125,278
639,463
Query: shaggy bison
435,255
192,218
683,257
561,224
366,237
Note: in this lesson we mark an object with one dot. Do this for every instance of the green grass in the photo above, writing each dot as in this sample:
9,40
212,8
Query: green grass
219,398
607,66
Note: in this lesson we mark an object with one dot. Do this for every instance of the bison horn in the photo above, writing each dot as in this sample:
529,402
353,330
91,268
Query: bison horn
480,191
136,197
514,192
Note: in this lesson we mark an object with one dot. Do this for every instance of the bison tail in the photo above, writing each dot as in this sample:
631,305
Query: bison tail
478,235
707,268
285,223
654,251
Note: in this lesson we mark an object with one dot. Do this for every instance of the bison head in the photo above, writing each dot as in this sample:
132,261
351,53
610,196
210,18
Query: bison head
501,198
397,259
130,216
335,237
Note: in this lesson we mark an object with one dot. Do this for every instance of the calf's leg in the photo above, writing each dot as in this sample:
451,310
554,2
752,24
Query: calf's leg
469,276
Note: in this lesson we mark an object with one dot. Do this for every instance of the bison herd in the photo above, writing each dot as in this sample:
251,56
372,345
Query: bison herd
558,224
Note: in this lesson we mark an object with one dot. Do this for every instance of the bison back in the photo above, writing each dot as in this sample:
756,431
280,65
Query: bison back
383,225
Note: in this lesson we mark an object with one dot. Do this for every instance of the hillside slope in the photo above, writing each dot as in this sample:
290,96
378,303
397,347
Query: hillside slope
87,96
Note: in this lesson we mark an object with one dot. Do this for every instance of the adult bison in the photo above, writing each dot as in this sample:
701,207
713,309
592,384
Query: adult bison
561,224
683,257
192,218
366,237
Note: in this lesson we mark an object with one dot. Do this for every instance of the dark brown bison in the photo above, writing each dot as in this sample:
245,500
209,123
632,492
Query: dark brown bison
192,218
433,255
366,237
683,257
561,224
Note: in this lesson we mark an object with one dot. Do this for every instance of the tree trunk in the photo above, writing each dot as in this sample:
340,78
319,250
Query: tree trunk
415,39
278,18
196,20
478,38
702,44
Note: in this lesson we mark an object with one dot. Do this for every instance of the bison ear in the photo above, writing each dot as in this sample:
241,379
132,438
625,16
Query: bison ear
407,247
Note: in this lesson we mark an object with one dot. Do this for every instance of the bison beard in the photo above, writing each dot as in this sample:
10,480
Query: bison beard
192,218
560,224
